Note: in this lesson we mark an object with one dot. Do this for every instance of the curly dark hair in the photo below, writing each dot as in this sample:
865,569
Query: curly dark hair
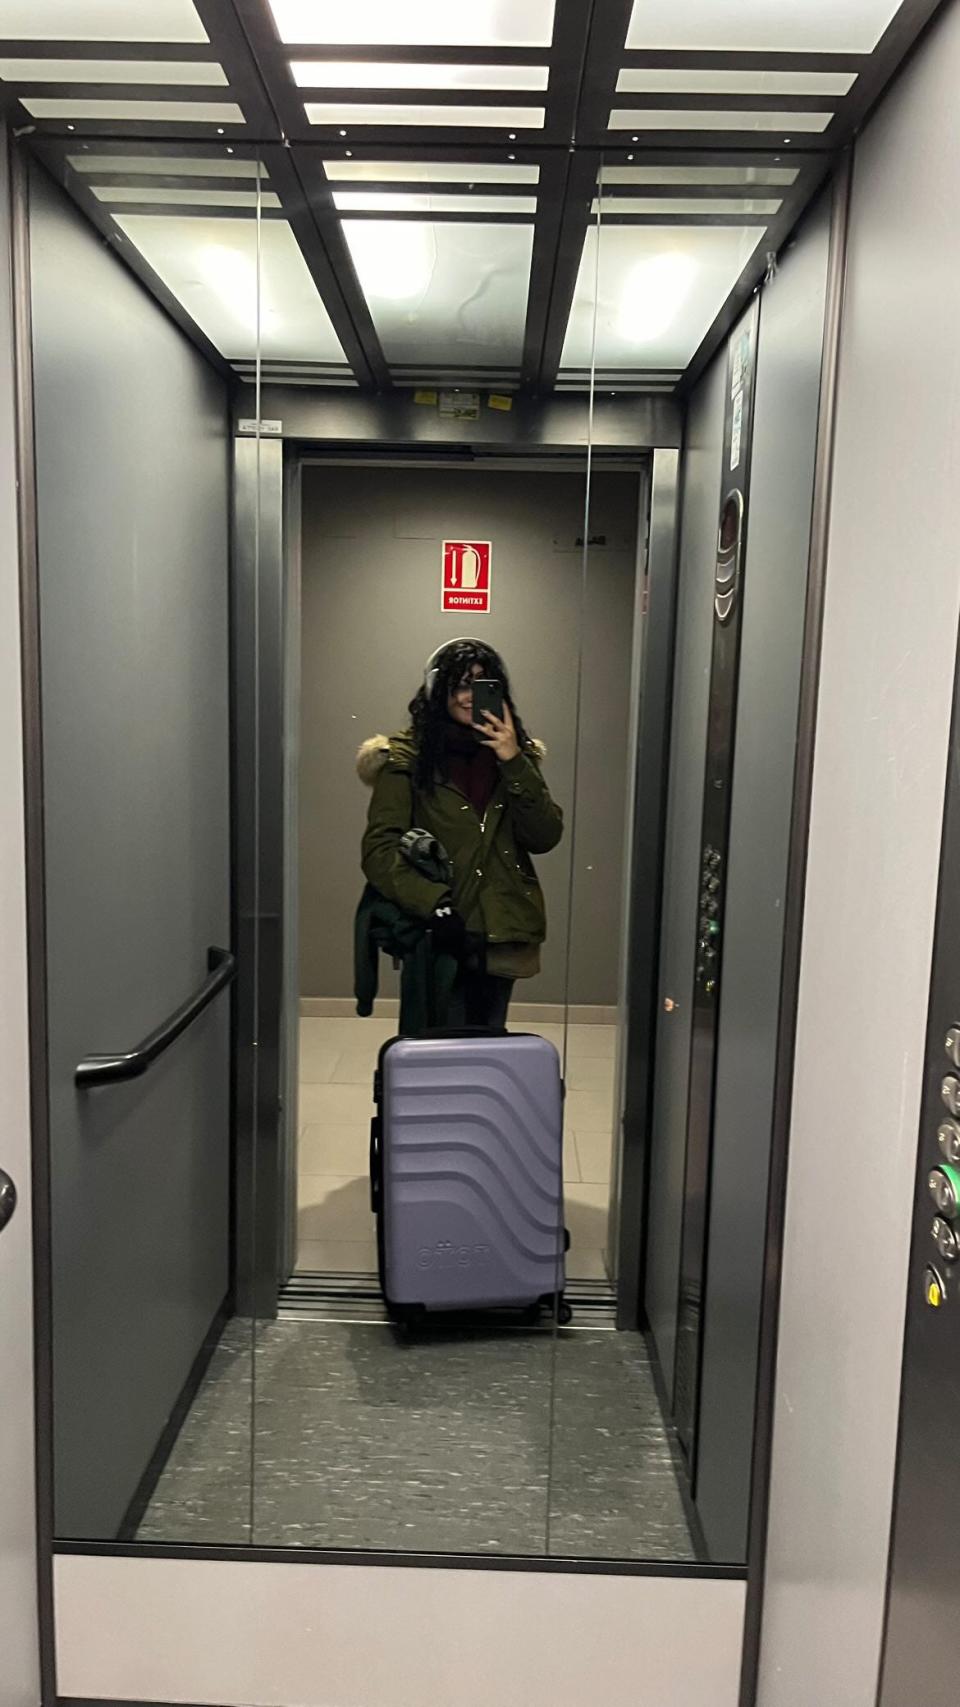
428,713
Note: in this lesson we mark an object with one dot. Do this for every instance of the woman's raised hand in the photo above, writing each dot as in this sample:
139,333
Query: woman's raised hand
500,734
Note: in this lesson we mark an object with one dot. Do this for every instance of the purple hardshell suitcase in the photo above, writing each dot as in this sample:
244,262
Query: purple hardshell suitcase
466,1169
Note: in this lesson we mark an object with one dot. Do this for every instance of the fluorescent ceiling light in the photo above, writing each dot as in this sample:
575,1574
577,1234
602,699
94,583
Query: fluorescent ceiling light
100,20
415,23
211,267
161,112
685,204
167,165
769,26
394,201
653,296
117,197
684,118
362,113
429,172
203,73
397,74
699,175
647,296
396,263
444,293
677,80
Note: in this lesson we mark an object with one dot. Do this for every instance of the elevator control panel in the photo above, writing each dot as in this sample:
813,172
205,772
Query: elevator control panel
708,930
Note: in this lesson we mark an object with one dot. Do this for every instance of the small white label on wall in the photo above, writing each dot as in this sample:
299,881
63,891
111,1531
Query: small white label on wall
268,429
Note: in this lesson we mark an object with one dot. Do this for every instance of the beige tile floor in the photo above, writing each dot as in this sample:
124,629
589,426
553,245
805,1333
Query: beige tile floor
337,1059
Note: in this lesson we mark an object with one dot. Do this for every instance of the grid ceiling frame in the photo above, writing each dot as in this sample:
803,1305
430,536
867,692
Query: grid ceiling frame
578,137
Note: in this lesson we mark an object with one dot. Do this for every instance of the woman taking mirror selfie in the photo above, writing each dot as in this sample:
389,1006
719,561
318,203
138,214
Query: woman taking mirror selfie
459,805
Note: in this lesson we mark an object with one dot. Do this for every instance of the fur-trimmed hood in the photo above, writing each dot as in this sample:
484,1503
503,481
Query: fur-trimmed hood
374,754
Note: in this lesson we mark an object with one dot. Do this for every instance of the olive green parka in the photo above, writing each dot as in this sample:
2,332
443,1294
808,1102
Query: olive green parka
495,888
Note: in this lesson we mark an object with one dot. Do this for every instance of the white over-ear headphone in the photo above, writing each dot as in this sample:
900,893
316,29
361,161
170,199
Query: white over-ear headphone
431,668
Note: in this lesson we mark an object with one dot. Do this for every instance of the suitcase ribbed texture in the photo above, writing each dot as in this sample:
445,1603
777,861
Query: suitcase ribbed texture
472,1179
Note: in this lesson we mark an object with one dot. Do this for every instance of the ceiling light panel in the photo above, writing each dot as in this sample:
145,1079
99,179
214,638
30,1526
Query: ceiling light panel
658,291
367,113
415,23
397,74
452,292
100,20
210,265
686,118
682,81
117,196
399,201
699,175
769,26
159,112
167,165
429,172
205,74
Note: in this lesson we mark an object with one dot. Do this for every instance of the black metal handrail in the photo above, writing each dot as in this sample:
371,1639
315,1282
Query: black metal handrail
112,1069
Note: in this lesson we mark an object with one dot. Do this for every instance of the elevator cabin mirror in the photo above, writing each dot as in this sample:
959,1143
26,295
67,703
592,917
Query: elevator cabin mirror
341,446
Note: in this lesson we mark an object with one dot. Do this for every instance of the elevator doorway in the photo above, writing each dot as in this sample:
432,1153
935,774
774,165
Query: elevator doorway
370,571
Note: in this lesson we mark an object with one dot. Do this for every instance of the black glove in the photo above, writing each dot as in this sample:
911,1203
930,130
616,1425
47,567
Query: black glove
448,930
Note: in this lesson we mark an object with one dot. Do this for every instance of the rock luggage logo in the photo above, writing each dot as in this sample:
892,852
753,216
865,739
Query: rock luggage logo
466,575
445,1254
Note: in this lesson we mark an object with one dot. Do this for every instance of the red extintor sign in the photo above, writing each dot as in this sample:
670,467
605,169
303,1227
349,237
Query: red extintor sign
466,575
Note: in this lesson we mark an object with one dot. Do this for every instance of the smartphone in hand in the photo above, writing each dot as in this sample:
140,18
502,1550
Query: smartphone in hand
487,696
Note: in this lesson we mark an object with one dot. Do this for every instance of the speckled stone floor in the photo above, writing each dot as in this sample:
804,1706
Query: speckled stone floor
349,1436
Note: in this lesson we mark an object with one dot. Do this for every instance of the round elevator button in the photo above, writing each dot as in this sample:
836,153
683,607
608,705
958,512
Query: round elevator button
934,1288
948,1138
950,1093
944,1186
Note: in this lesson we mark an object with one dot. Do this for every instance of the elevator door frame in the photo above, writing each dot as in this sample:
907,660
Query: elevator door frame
266,1224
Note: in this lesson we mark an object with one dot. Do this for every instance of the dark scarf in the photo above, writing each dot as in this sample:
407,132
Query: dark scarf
469,765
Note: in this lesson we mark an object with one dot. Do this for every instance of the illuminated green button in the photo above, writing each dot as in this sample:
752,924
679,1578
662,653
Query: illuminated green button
943,1184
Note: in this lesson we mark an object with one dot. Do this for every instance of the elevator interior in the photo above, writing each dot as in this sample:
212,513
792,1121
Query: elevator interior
279,277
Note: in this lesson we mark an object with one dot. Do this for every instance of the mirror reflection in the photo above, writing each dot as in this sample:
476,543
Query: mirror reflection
418,744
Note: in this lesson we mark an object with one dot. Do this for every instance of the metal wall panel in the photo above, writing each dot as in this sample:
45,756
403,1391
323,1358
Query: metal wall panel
132,492
778,544
890,625
698,533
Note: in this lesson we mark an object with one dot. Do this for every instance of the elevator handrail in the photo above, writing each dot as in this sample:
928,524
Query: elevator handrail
112,1069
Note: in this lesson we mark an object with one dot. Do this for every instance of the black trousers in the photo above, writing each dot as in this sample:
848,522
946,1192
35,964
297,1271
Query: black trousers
479,999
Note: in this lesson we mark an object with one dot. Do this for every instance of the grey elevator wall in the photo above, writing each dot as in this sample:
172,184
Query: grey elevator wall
698,534
371,556
132,478
890,629
775,581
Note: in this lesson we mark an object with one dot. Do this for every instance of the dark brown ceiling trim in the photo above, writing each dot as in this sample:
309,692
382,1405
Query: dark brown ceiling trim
734,220
324,248
142,50
129,92
738,59
714,101
233,52
581,188
170,181
378,55
706,193
189,210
